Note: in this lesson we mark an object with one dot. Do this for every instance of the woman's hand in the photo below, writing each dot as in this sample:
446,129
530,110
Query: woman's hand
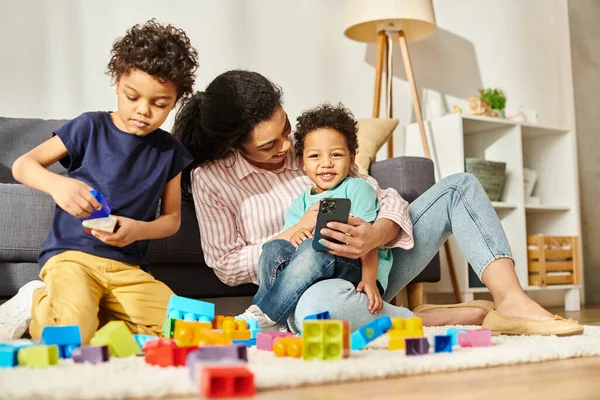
372,292
360,238
74,197
128,231
300,236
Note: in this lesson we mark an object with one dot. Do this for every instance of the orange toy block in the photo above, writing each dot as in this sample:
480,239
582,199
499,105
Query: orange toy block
236,329
290,346
166,353
218,321
188,333
208,338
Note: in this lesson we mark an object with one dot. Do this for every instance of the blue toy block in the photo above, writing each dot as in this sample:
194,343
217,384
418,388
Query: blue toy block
141,339
8,352
454,333
252,324
321,315
254,333
102,212
247,343
442,344
67,338
417,346
369,332
190,309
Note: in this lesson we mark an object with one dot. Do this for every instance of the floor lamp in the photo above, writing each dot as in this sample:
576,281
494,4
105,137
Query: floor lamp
382,22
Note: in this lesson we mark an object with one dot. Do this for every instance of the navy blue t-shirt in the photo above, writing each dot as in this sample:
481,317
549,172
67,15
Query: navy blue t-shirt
131,171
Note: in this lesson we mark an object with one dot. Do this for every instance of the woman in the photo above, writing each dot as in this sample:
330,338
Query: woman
244,178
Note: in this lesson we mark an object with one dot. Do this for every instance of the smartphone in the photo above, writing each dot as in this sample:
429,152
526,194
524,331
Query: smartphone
330,210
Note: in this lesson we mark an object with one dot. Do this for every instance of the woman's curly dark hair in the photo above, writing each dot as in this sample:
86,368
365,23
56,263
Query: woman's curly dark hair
158,50
338,118
213,123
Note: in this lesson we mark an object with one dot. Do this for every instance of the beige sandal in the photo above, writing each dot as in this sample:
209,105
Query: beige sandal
485,305
504,325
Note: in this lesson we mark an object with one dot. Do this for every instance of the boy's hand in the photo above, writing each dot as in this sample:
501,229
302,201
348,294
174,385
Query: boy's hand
128,231
74,197
372,292
309,219
300,236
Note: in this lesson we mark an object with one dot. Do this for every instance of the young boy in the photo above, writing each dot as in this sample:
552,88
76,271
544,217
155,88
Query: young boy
326,141
91,279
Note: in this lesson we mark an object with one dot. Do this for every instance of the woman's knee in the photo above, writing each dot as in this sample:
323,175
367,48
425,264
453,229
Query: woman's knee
463,180
329,295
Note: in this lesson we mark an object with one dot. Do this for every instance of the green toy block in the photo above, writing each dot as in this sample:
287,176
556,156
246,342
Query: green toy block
325,340
118,338
168,327
41,356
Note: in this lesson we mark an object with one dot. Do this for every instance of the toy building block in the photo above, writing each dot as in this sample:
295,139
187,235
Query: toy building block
9,351
190,309
188,333
453,332
105,209
141,339
212,337
106,224
118,338
402,329
416,346
290,346
38,356
236,329
233,352
91,354
166,353
253,328
168,328
265,340
326,340
67,338
226,381
318,316
442,344
247,343
218,321
369,332
475,338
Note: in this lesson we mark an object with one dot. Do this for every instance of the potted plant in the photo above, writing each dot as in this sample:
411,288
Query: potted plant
495,98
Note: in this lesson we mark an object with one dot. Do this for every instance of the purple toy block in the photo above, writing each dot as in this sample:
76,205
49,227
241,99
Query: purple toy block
442,344
416,346
475,338
91,354
102,212
265,340
237,352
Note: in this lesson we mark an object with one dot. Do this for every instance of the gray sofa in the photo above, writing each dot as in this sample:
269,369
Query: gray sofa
26,215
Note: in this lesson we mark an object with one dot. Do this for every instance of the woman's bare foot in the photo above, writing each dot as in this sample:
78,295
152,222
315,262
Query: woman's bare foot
519,305
452,316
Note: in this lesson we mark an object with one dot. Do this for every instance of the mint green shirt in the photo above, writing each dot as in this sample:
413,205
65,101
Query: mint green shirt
364,205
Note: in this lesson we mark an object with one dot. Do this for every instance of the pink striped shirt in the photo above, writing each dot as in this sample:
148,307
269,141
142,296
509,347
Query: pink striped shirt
240,207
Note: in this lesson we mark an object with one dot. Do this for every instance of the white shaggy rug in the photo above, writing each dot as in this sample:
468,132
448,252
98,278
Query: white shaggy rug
133,378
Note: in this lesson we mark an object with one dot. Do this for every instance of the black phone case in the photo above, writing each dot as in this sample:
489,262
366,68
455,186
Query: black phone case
330,209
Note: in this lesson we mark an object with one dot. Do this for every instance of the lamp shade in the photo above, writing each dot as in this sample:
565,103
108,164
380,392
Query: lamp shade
364,18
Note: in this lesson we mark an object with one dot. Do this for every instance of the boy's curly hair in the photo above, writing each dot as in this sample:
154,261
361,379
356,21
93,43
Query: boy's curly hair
162,51
338,118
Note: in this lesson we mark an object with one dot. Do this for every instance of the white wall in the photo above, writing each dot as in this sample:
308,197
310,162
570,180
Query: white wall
53,53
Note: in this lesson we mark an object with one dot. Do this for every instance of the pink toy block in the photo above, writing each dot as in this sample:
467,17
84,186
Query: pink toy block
475,338
265,340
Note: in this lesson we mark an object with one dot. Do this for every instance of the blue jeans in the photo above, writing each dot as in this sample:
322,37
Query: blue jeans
455,205
284,273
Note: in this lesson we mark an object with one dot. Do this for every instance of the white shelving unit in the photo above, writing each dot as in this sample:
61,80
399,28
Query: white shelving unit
549,151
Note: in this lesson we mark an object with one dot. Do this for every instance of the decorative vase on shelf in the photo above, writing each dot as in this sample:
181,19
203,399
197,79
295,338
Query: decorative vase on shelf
500,113
496,100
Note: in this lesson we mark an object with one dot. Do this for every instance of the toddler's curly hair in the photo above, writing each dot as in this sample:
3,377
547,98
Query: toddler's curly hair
338,118
162,51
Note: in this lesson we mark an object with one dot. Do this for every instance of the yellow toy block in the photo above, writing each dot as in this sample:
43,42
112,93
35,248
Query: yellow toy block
118,338
218,321
209,338
325,339
414,324
38,356
398,324
396,338
290,346
187,333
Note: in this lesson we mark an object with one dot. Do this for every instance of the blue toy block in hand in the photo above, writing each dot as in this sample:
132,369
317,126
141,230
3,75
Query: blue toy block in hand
67,338
190,309
369,332
104,211
442,344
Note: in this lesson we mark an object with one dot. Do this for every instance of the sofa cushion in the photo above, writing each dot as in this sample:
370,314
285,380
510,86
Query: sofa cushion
19,135
372,134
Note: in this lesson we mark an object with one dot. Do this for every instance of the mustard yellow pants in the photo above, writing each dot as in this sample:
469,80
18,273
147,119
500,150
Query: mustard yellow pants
89,291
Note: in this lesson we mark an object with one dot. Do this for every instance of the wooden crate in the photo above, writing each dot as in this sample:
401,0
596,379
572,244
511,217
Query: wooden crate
554,261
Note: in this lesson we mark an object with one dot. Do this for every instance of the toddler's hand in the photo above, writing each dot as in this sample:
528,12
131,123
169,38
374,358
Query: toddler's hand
372,292
127,232
309,219
74,197
300,236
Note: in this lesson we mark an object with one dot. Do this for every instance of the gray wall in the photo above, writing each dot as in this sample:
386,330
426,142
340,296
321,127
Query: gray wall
584,17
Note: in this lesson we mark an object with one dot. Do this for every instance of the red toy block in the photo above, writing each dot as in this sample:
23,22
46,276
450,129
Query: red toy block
166,353
475,338
226,381
265,340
